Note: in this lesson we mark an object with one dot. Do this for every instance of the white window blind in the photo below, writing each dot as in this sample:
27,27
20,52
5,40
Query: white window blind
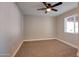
71,24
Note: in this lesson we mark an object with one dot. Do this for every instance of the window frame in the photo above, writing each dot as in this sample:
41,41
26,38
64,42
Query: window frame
65,24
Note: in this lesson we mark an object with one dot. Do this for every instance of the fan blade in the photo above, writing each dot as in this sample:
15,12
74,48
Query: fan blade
57,4
45,12
45,4
42,9
54,9
49,5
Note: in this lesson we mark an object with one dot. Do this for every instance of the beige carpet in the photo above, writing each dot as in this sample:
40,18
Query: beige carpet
46,48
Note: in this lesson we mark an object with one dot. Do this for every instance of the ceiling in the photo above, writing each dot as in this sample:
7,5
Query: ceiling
30,8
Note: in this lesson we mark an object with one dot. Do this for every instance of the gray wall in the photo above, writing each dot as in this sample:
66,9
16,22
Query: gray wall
10,28
69,37
39,27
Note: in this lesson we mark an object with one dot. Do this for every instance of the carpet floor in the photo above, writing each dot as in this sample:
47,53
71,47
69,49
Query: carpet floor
46,48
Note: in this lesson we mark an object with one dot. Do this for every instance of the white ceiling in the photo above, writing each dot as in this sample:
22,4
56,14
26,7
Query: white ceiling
30,8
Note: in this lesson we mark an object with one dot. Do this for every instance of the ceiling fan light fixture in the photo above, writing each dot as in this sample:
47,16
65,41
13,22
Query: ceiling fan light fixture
48,9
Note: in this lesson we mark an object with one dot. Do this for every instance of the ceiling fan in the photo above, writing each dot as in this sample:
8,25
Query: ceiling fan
49,7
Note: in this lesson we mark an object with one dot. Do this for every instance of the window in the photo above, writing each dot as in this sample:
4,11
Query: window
71,24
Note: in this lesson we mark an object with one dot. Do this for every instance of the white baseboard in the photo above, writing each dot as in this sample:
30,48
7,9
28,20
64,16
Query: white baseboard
17,49
39,39
74,46
46,39
52,39
70,45
29,40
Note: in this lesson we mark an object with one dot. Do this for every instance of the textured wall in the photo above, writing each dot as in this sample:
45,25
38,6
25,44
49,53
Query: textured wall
10,28
69,37
38,27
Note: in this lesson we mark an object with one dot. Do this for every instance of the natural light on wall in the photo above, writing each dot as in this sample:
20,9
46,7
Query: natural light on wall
71,24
